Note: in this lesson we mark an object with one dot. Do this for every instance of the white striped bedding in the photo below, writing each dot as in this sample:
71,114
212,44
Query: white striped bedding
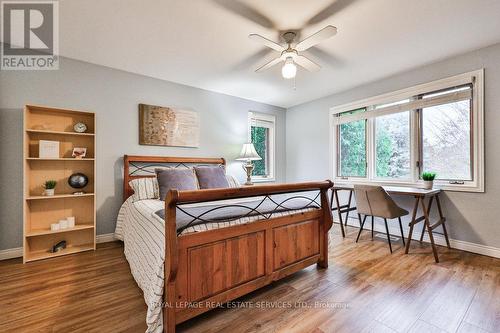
143,234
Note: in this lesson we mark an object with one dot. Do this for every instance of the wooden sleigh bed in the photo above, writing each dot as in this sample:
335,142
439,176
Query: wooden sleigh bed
220,265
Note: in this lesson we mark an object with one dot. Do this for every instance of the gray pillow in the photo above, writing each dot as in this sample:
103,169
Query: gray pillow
180,179
211,177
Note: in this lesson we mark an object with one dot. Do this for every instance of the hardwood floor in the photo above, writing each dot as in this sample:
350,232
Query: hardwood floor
365,289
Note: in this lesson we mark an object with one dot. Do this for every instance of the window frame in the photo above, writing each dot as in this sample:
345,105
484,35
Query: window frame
476,78
268,121
420,119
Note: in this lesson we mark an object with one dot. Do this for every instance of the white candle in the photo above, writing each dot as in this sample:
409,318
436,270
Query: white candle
71,221
54,226
63,224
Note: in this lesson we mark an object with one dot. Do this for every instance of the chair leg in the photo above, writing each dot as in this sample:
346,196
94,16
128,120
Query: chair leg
362,223
372,226
401,228
388,236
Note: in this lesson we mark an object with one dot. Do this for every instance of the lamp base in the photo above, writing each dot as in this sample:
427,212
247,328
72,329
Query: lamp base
248,167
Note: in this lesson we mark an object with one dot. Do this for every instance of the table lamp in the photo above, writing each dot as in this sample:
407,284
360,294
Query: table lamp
248,154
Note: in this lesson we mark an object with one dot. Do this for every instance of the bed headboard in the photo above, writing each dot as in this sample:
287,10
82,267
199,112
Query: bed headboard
135,167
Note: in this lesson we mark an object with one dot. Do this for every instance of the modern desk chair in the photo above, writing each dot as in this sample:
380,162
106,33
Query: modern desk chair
375,202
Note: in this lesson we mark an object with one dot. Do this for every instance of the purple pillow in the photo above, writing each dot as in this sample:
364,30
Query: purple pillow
211,177
180,179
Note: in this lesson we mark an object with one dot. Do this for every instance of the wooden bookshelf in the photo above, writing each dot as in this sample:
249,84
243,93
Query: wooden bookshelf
40,211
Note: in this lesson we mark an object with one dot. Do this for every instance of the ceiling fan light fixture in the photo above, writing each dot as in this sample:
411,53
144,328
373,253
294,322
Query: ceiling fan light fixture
289,69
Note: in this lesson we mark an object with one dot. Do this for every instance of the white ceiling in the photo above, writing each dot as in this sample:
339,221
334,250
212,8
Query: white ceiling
203,43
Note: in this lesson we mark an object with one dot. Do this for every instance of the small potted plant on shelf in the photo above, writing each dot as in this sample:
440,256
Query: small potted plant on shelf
428,177
49,187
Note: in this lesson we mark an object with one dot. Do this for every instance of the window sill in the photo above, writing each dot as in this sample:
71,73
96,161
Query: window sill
472,188
263,180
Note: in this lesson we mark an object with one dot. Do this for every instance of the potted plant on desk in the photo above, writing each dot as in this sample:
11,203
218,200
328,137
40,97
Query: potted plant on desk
428,178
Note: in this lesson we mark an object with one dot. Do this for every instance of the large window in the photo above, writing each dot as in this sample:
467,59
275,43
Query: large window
392,139
261,134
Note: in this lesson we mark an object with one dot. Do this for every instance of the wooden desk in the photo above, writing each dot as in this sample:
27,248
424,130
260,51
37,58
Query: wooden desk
419,194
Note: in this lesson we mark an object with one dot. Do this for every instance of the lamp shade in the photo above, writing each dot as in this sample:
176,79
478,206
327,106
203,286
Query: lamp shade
248,153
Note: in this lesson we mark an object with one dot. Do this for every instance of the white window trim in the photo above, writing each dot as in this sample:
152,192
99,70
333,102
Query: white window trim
266,118
477,185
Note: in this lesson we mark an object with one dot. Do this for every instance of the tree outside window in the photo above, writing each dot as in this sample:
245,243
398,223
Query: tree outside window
392,140
260,139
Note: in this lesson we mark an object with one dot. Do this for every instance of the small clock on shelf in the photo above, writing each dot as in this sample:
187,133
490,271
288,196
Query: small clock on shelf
80,127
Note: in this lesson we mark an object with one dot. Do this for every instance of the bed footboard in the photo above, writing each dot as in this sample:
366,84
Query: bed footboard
206,269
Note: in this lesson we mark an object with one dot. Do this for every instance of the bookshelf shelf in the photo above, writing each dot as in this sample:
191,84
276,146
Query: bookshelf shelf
39,255
42,232
58,132
60,159
59,196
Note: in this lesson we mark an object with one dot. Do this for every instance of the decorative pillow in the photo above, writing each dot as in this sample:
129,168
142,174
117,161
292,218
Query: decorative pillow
232,181
180,179
211,177
144,188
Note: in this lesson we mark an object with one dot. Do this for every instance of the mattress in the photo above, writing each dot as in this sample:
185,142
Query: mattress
142,229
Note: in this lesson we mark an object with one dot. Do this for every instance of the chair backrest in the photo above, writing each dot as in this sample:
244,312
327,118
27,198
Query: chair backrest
374,201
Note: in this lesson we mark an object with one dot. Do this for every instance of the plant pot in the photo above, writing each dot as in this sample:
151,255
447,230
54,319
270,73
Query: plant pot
428,184
49,192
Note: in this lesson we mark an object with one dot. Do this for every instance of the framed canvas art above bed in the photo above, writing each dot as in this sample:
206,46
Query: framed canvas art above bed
168,126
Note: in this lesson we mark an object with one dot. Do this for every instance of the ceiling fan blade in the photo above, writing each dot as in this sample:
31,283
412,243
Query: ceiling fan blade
266,42
268,65
326,32
239,8
307,63
332,9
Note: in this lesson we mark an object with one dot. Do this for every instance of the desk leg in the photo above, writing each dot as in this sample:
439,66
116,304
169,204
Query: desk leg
429,214
429,230
335,194
412,223
348,207
441,217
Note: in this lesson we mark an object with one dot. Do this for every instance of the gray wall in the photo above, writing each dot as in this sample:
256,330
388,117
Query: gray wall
473,217
114,96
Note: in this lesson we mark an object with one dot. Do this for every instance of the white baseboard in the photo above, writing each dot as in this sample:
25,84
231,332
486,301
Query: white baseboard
11,253
104,238
18,251
438,239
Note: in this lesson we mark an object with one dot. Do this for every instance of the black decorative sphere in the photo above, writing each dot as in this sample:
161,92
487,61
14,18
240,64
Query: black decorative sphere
78,180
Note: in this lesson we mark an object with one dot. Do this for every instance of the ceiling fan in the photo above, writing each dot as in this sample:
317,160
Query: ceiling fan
290,53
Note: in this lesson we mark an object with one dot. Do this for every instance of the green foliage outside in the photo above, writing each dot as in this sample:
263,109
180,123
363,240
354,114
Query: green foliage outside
393,145
259,136
353,149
